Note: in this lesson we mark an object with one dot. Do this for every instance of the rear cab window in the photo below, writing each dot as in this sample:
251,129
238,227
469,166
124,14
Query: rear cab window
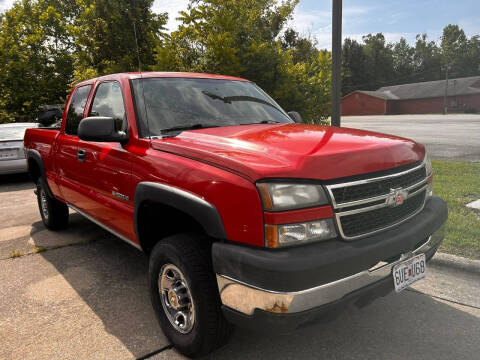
76,108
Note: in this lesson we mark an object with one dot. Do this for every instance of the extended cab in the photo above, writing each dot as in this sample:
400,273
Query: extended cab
248,216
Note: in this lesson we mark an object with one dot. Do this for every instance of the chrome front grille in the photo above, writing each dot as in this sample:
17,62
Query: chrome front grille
371,205
380,187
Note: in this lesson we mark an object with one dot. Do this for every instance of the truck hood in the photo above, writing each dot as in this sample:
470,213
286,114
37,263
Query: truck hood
293,150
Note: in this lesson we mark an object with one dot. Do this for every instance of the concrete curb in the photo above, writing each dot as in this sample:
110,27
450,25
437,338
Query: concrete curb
457,262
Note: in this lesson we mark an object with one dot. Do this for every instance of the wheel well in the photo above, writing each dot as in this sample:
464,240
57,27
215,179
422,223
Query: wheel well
157,221
34,170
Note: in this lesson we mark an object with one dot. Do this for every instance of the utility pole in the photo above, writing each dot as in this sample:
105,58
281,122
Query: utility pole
446,68
336,61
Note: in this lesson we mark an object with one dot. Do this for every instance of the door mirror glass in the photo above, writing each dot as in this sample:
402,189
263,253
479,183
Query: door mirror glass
101,129
295,116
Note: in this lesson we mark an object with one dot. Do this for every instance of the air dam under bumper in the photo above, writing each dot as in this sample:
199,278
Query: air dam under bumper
331,275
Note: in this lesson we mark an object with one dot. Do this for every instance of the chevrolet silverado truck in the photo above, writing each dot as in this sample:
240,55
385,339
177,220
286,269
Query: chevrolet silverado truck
248,216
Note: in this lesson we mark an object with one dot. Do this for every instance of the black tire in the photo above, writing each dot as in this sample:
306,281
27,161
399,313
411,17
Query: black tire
54,213
191,255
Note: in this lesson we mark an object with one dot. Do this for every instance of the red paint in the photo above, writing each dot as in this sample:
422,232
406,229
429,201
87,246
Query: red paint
296,216
293,150
220,165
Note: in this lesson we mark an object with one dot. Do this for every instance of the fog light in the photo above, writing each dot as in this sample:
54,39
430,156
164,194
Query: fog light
299,233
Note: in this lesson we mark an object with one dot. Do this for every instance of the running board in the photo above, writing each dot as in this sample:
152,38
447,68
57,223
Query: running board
103,226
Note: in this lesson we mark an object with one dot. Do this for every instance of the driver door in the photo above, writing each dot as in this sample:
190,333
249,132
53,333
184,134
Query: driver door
105,169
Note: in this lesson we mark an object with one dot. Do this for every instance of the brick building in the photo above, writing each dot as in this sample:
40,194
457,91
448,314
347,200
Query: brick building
417,98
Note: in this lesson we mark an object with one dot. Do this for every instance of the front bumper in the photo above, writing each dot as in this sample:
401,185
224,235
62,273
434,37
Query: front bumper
248,300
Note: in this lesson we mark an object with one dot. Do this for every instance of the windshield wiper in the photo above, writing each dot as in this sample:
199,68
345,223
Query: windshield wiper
266,122
187,127
229,99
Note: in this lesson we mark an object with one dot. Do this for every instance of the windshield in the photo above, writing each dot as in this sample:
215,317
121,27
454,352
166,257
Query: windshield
14,132
173,104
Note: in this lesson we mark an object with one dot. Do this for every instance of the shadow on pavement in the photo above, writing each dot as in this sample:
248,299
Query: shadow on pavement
28,239
404,326
111,278
15,182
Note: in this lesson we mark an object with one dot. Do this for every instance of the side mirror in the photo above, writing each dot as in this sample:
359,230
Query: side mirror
295,116
101,129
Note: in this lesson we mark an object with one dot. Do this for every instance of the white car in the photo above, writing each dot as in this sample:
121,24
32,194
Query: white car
12,156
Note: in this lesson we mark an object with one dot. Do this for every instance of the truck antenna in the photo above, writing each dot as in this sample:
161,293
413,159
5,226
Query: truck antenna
135,34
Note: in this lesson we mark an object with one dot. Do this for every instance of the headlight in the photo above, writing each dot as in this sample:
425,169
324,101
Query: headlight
300,233
289,196
429,170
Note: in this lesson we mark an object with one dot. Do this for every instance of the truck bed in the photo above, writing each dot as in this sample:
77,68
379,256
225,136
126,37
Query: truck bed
42,140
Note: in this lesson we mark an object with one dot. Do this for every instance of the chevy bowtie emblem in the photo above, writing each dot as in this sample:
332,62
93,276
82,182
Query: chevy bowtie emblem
396,197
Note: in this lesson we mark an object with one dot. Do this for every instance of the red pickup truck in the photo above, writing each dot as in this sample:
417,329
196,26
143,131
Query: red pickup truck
248,216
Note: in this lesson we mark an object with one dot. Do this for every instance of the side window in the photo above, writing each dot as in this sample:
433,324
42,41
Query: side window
75,109
108,101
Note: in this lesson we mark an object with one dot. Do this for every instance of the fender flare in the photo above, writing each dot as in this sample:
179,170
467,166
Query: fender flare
205,213
35,156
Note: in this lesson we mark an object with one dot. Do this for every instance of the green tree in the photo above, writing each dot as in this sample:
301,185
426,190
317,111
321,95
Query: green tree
459,52
427,59
402,56
379,61
107,32
354,67
48,45
473,59
242,38
303,49
35,58
454,47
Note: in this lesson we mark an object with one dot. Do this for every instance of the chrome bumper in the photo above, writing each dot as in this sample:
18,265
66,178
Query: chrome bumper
246,298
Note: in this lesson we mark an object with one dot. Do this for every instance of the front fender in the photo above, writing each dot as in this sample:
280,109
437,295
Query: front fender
205,213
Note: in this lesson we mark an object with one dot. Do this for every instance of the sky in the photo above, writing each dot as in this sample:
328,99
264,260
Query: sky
394,18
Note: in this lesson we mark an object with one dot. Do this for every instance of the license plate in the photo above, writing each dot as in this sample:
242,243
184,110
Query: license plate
409,271
7,154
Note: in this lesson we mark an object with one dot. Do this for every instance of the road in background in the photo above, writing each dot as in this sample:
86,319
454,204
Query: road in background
447,137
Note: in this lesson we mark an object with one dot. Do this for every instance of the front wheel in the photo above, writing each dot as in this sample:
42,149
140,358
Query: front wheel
185,295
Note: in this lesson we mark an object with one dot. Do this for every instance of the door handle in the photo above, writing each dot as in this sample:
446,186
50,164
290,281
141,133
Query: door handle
81,155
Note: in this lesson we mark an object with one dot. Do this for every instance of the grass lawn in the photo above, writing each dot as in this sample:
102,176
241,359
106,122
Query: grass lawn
459,183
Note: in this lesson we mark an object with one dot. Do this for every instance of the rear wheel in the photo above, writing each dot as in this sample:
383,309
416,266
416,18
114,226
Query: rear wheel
54,213
185,295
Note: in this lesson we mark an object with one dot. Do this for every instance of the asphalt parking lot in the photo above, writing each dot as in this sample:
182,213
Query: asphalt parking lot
447,137
81,294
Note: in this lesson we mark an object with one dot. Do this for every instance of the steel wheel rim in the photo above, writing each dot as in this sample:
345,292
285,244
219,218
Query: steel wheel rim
176,298
44,204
